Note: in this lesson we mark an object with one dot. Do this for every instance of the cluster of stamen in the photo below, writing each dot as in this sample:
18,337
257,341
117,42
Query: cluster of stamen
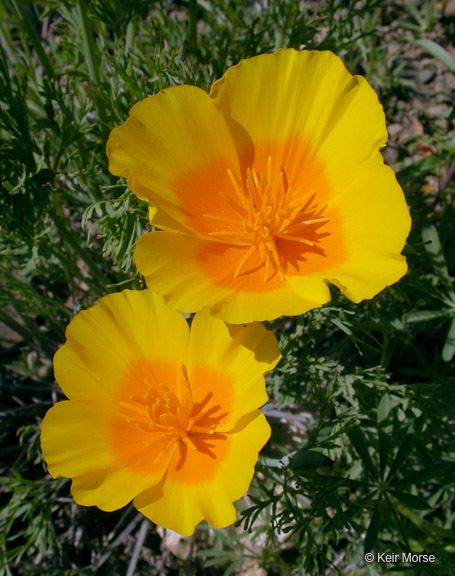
267,211
170,417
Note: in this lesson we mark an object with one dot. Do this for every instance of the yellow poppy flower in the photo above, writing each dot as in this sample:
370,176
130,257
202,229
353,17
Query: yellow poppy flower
266,189
159,414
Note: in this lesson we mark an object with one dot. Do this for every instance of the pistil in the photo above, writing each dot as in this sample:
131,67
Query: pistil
267,210
170,417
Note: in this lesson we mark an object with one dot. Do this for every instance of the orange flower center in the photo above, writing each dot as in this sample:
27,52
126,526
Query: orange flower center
269,211
171,417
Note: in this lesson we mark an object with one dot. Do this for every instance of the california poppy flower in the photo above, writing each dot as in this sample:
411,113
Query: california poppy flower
158,414
266,190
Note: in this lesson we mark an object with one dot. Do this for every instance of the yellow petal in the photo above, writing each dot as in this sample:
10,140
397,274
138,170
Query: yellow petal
161,146
227,363
203,486
305,97
76,440
169,263
191,274
267,223
103,341
376,223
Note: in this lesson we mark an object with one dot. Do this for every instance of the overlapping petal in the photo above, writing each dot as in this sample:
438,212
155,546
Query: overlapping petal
76,440
269,193
162,147
191,273
239,355
153,416
179,504
372,214
103,341
301,104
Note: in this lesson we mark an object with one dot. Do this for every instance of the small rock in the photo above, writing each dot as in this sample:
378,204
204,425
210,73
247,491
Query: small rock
255,570
177,545
394,130
416,126
449,9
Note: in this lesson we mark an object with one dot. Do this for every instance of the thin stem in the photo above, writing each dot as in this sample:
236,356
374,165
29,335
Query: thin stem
192,27
90,52
88,43
28,330
137,548
449,175
33,37
130,32
5,35
398,522
66,233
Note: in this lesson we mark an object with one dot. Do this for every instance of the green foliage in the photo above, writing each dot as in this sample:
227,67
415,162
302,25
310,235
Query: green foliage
362,404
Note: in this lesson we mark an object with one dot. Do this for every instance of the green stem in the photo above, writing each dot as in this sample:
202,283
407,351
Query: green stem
65,233
192,27
89,48
34,38
88,43
398,523
28,330
130,32
5,36
14,325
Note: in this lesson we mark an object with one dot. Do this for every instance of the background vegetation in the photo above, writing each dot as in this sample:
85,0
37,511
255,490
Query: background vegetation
363,403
